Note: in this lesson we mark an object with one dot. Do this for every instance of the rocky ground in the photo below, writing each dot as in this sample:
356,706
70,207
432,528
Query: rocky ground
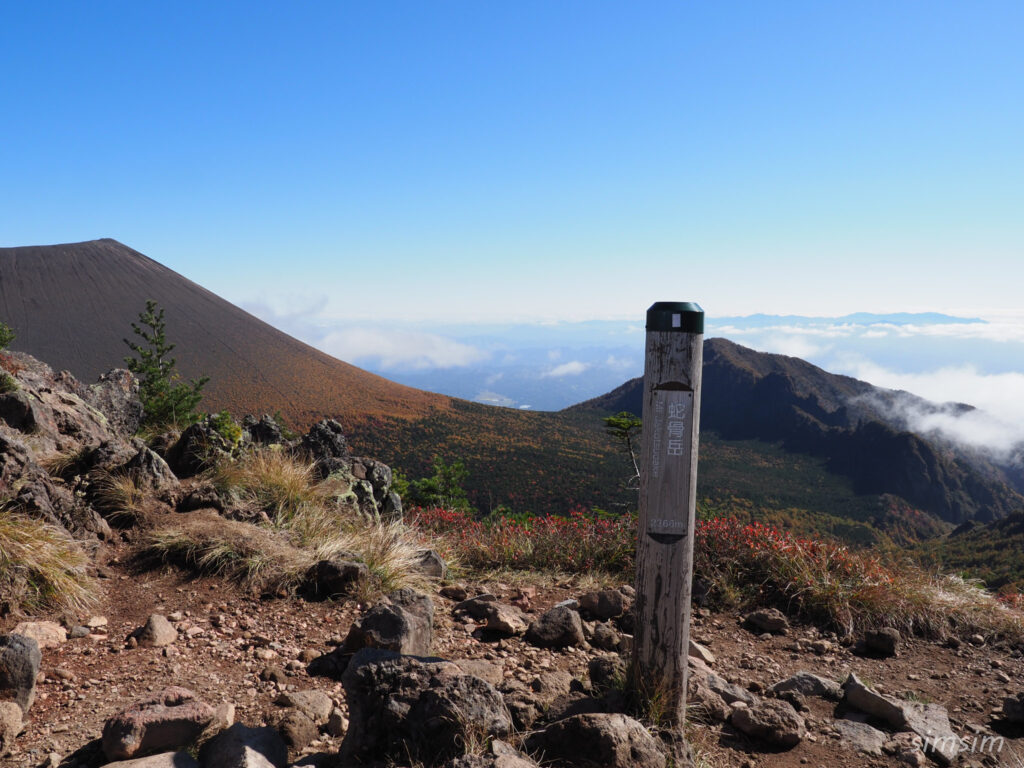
234,648
465,673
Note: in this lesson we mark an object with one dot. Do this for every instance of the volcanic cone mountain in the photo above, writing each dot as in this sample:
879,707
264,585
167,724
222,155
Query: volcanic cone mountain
71,305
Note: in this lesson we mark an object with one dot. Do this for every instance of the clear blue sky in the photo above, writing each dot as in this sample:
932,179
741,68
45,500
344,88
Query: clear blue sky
527,160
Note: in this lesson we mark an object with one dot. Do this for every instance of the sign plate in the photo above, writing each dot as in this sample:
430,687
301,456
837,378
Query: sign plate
671,448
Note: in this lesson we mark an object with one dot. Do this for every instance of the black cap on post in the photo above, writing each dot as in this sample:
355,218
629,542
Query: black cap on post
681,316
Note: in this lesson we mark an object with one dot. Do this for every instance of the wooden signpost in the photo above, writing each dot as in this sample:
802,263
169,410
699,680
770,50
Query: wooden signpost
668,499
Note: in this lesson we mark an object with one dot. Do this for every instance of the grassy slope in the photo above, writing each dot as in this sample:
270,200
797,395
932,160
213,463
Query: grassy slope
992,552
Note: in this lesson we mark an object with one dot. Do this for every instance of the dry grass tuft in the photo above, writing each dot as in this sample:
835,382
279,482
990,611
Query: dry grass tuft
66,463
41,567
118,496
270,480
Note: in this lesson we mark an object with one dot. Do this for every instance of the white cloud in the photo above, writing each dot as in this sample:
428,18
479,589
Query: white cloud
572,368
998,425
399,348
619,363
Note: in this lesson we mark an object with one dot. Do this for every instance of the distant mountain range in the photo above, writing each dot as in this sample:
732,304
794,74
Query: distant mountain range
780,437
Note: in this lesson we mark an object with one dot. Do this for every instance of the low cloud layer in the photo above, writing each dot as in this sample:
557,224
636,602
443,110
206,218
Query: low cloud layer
572,368
406,349
997,425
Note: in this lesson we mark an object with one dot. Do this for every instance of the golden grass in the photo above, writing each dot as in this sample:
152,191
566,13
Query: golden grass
119,496
41,566
271,480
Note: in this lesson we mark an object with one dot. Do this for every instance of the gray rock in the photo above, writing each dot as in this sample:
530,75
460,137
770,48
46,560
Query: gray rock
404,708
156,632
431,564
859,696
767,620
703,704
316,705
337,577
773,721
297,730
861,736
403,623
164,760
604,605
152,471
373,489
606,672
116,395
485,670
557,628
605,637
243,747
698,651
197,448
808,684
167,720
929,721
326,440
883,642
727,691
19,668
597,739
266,431
11,718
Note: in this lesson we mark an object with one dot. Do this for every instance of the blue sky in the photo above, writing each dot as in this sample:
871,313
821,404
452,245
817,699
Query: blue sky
382,178
524,161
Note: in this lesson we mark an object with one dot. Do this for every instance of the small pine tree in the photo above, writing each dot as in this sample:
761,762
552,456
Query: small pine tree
443,488
624,428
165,400
6,336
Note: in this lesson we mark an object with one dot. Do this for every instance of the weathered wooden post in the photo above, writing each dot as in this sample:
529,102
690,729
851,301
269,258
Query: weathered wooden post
668,500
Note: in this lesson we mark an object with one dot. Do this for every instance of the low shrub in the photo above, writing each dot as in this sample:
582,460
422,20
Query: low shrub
745,565
580,542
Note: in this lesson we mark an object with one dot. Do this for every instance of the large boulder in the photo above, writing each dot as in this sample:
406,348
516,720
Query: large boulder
167,720
338,577
198,447
403,622
19,668
147,468
326,445
929,721
262,431
597,740
773,721
558,628
404,708
116,396
604,605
